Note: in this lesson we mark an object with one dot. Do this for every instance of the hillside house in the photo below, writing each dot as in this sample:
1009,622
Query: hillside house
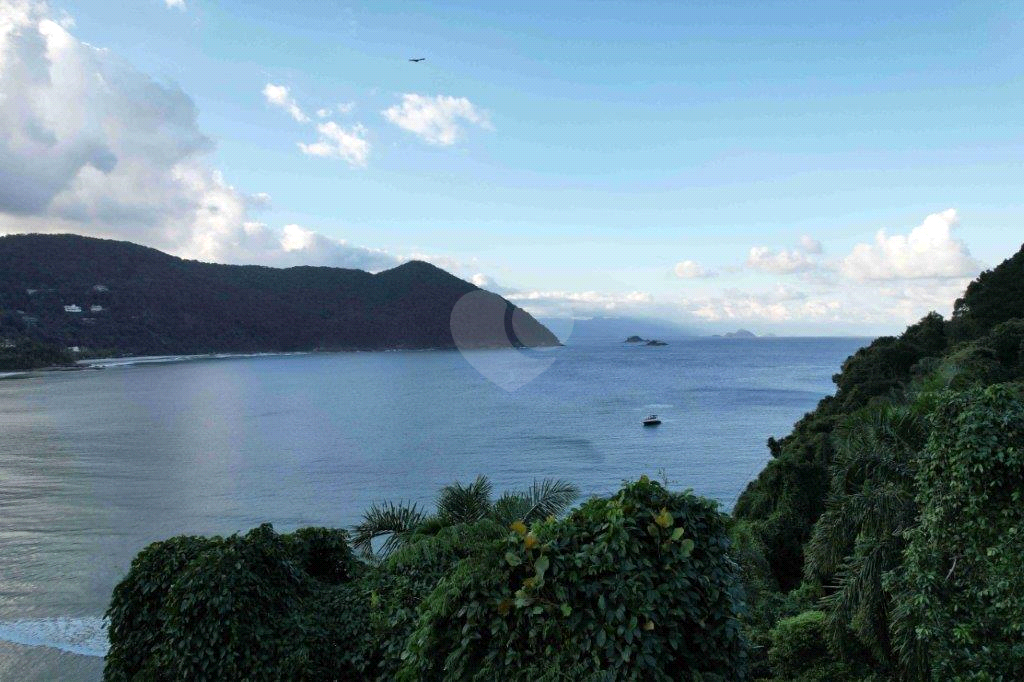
72,308
95,308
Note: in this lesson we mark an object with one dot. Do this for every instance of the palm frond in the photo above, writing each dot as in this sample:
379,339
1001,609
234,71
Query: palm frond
457,503
511,507
549,497
396,522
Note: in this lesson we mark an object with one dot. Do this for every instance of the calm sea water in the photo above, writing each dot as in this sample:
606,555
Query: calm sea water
94,465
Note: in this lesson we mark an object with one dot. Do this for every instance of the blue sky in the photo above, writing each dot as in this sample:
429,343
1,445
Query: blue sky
582,158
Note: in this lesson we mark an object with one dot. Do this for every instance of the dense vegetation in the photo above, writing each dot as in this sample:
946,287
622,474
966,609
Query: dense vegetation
638,586
877,542
133,300
28,354
883,541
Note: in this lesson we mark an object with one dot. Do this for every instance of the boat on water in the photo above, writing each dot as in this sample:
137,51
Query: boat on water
652,420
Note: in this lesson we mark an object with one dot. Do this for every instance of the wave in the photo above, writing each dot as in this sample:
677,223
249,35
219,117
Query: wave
107,363
83,636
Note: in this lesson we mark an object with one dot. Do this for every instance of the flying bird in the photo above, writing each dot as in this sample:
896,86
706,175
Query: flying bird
417,59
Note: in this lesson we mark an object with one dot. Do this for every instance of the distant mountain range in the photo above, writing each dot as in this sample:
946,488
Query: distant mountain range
116,297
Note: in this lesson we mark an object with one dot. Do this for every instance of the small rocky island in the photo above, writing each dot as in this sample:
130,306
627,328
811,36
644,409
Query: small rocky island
738,334
646,342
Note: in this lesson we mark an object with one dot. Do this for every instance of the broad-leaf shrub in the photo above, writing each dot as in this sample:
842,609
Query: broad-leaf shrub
960,592
259,607
638,586
799,651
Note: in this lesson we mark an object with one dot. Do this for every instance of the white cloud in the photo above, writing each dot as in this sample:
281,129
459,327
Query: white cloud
179,4
279,96
810,245
92,146
929,251
779,305
307,247
346,107
340,143
435,119
779,262
323,113
578,304
689,269
259,200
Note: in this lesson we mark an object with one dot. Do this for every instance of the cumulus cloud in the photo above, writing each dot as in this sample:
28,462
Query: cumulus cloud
279,96
346,107
810,245
307,247
689,269
929,251
178,4
578,304
334,142
778,305
92,146
781,262
340,143
435,119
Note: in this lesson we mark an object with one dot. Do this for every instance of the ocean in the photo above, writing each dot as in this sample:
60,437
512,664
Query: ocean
96,464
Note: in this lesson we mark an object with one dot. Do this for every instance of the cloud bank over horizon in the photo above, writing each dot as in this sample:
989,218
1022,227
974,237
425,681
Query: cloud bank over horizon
92,146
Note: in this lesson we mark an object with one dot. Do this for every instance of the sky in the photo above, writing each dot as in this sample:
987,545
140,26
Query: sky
793,168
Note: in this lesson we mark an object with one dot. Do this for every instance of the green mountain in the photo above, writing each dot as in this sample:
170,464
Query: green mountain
117,297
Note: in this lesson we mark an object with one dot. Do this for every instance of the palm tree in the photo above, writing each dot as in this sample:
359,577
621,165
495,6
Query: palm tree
458,504
860,535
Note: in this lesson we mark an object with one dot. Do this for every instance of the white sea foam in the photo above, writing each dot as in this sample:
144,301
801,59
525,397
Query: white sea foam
107,363
84,636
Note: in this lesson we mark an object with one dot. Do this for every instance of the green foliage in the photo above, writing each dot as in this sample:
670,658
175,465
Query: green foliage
28,354
398,524
859,537
137,614
799,652
403,580
996,296
789,495
960,591
258,606
637,587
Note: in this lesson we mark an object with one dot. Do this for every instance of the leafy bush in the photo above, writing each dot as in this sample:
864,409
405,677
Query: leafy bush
257,606
799,652
637,587
960,604
137,614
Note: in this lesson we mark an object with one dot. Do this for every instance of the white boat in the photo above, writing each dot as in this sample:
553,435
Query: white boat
652,420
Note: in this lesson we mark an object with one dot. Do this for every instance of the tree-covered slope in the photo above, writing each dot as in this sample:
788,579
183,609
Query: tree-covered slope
110,296
789,495
876,542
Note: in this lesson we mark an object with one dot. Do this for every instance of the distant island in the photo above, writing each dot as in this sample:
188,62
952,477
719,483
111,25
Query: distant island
738,334
646,342
64,295
611,329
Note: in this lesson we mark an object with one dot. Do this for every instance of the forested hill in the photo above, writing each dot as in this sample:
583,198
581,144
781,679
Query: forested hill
117,297
883,538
